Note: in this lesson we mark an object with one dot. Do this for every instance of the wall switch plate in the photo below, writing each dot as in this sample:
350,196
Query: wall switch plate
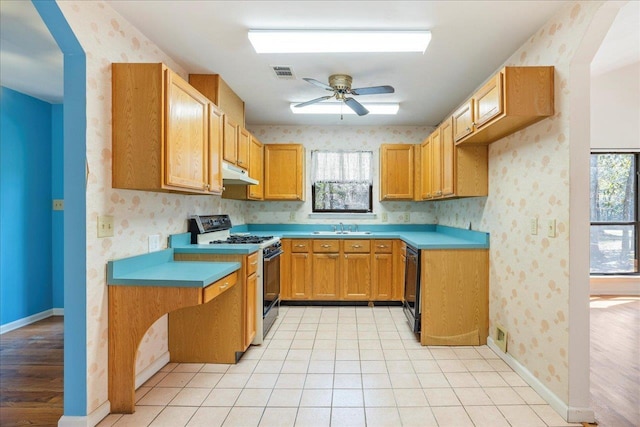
105,226
58,204
154,242
533,226
501,338
551,228
292,216
385,217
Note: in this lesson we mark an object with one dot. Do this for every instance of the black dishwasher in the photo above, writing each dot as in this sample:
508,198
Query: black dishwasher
411,304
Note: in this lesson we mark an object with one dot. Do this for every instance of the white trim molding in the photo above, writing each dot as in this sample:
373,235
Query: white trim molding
570,414
90,420
30,319
143,376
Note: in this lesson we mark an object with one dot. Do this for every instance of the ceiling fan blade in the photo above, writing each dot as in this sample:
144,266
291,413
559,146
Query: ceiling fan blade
356,106
318,83
313,101
372,90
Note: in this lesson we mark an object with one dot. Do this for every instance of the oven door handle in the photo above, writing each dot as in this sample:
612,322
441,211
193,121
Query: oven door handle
275,255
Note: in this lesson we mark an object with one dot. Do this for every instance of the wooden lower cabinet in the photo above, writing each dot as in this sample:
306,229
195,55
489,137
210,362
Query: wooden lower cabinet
325,276
454,288
230,318
341,270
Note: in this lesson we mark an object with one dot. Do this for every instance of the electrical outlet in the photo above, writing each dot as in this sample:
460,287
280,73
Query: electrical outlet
501,338
154,242
533,226
407,216
105,226
385,217
292,216
551,228
58,204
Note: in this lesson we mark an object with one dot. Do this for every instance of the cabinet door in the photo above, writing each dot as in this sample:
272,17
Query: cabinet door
300,275
463,121
382,274
487,102
284,172
250,310
325,276
256,169
186,139
396,172
448,158
242,154
356,276
436,164
425,168
216,125
229,152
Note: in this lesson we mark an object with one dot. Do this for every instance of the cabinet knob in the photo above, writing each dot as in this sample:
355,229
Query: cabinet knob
300,246
325,246
226,284
383,246
356,246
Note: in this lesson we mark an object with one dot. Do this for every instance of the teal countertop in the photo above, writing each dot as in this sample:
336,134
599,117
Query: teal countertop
159,269
428,236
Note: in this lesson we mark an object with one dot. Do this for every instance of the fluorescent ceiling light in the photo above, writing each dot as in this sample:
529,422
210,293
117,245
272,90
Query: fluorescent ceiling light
342,108
323,41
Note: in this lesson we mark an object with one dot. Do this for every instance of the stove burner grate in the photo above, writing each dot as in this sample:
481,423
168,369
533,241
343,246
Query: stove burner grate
243,240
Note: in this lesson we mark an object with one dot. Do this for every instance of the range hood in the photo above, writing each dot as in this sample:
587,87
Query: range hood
235,175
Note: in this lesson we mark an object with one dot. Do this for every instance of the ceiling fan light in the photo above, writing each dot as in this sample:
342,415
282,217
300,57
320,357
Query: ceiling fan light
325,41
341,108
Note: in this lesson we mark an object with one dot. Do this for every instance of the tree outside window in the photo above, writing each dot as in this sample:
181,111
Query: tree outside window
614,213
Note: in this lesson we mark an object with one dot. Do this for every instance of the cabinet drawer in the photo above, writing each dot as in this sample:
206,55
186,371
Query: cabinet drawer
383,246
216,288
252,261
326,245
357,246
300,246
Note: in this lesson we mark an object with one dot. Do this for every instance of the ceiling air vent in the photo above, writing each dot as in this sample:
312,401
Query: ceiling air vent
283,72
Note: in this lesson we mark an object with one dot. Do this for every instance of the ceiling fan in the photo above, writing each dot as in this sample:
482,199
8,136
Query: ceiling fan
340,85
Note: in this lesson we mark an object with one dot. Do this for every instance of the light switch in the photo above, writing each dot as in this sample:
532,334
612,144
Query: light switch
105,226
154,242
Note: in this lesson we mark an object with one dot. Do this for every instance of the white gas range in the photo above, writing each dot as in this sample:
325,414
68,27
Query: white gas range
214,229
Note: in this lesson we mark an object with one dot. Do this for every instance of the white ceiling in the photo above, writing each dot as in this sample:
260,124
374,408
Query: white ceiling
471,39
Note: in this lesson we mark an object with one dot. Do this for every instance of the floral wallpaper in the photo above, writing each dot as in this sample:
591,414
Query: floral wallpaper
528,177
341,138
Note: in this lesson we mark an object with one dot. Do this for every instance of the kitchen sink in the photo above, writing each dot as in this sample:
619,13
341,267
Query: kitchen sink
340,233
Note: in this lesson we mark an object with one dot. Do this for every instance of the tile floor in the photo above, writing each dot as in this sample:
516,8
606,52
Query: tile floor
342,366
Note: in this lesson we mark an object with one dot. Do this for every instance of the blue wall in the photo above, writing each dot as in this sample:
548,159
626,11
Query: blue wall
26,274
57,192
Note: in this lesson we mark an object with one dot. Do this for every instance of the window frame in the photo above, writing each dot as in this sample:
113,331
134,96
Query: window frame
369,210
635,223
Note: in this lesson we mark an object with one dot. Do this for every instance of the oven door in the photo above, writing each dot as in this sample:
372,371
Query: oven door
271,289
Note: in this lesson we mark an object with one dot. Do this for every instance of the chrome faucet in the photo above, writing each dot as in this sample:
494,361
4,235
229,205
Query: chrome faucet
341,228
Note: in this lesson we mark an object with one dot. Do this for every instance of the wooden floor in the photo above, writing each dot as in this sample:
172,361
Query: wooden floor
615,361
31,360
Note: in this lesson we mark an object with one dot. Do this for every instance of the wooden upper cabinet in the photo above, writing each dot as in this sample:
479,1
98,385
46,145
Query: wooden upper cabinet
242,151
230,145
436,164
513,99
425,169
256,169
396,172
216,134
447,154
218,91
160,131
284,172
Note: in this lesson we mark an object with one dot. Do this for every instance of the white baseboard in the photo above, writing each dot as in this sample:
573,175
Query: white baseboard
58,311
151,370
90,420
28,320
570,414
